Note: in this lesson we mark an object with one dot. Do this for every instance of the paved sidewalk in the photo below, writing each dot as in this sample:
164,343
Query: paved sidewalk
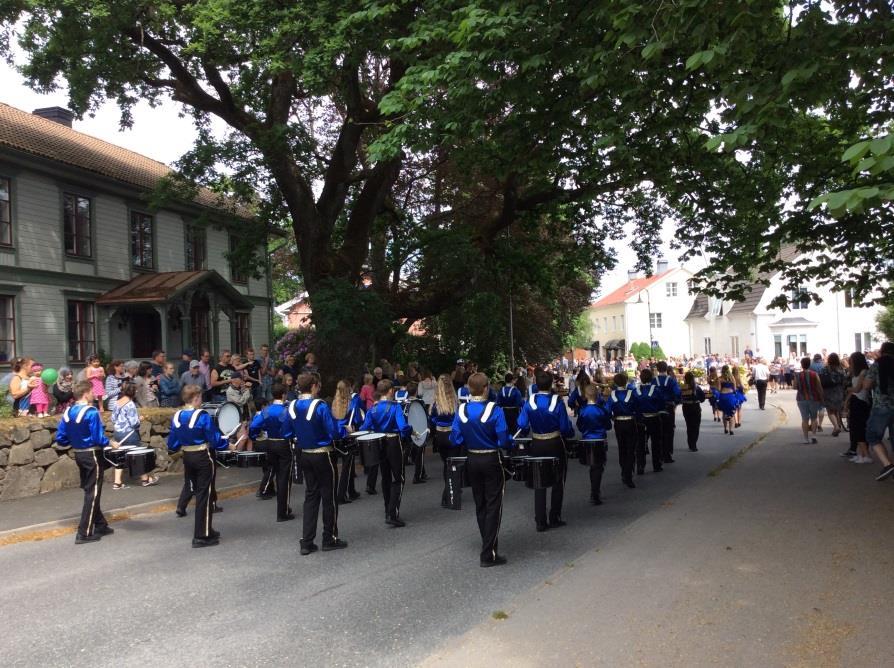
783,558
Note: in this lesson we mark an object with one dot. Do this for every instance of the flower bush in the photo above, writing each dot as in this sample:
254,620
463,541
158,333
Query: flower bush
297,342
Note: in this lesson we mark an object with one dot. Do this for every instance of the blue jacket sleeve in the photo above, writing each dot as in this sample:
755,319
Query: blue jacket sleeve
62,433
456,434
257,422
213,436
565,425
173,438
97,430
524,422
329,422
502,429
367,421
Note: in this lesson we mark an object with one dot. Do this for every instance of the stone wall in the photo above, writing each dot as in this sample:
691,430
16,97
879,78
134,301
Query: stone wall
32,463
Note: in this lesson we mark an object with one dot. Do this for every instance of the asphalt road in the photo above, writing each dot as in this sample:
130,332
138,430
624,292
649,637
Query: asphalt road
144,596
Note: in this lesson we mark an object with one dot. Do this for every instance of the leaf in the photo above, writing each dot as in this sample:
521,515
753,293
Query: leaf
714,142
838,199
867,193
651,49
694,60
881,145
864,165
858,150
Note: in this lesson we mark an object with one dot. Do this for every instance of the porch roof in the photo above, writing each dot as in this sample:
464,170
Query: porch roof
160,288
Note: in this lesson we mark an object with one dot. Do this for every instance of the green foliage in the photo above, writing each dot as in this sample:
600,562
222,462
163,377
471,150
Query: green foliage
885,322
581,336
279,330
642,350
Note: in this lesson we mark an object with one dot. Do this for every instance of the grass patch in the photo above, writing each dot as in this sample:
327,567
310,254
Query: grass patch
499,615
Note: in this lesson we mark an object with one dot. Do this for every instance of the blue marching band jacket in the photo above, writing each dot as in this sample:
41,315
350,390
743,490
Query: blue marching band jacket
670,388
625,402
480,425
651,399
545,413
595,420
81,428
510,397
268,422
309,421
386,417
193,426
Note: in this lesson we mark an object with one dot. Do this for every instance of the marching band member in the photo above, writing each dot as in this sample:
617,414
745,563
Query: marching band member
386,417
692,397
309,422
670,390
195,433
267,425
546,416
419,474
348,414
651,403
441,414
82,429
509,395
576,398
631,447
594,421
464,394
480,427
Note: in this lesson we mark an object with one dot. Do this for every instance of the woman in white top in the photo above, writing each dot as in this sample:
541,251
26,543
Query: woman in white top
126,423
427,388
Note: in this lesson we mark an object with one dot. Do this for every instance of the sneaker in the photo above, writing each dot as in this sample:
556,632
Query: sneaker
849,453
886,472
861,460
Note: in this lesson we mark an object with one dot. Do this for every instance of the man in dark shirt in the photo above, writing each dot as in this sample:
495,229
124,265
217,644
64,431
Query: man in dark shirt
252,373
185,358
221,375
157,365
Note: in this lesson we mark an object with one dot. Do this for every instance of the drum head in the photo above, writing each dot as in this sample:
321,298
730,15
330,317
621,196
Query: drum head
418,420
371,436
228,418
358,434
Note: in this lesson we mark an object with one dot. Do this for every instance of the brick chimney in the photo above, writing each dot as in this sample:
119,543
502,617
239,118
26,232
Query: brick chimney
59,115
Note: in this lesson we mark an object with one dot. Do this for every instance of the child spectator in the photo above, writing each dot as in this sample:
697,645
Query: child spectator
114,378
97,377
288,382
40,396
169,387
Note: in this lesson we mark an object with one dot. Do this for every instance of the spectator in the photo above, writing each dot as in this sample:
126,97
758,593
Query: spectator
97,377
760,372
194,376
40,395
880,379
169,387
288,382
114,377
146,385
368,391
159,359
238,394
809,399
858,405
185,359
205,367
131,369
289,367
267,373
21,385
833,379
310,364
427,386
126,424
62,390
221,375
252,374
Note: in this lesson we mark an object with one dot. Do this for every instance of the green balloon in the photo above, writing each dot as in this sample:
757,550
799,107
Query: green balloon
49,376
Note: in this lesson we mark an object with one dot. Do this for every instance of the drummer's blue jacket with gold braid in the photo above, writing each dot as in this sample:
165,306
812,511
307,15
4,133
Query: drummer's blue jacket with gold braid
625,402
193,426
386,417
480,425
438,419
651,399
81,428
309,421
595,420
269,421
353,418
545,413
510,397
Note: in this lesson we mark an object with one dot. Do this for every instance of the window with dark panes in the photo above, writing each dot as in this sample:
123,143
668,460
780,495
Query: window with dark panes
5,212
7,328
196,248
76,212
243,332
141,249
237,275
81,331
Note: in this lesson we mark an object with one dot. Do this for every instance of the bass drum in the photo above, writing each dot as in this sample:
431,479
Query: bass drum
417,417
226,416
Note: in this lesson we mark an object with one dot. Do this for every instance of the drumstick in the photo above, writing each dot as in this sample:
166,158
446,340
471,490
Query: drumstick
515,435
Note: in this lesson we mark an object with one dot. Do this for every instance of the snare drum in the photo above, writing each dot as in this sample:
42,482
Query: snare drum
225,457
519,468
592,452
140,461
371,447
248,458
543,472
458,472
117,457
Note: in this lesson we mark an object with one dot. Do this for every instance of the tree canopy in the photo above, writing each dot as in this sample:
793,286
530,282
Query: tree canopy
428,154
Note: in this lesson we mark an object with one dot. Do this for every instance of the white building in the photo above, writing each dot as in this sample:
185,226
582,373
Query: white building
643,309
838,324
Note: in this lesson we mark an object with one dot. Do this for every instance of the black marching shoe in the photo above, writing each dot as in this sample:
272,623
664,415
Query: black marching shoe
205,542
353,496
214,533
693,449
80,540
668,460
216,508
180,513
267,497
657,469
542,527
419,481
395,522
556,523
640,471
337,544
342,500
371,491
595,500
307,548
498,560
629,483
286,518
105,531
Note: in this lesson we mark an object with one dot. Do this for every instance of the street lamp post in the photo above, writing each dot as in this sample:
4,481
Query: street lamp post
639,300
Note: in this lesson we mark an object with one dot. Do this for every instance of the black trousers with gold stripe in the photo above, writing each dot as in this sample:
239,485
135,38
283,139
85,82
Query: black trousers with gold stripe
91,465
319,488
279,458
488,483
552,447
393,474
198,471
